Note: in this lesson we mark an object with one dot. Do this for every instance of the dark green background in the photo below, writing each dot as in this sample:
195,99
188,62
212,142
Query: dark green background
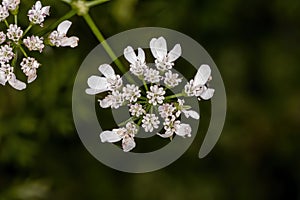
255,45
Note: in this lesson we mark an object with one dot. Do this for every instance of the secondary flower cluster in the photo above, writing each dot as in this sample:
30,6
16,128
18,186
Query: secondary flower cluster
15,43
150,105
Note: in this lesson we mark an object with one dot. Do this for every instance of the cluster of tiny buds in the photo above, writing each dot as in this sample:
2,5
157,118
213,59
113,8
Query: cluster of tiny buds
149,105
14,40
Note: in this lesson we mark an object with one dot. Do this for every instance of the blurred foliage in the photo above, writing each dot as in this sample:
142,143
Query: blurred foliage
254,43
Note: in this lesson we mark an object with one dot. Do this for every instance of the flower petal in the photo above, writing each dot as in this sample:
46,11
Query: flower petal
130,55
202,75
98,83
31,78
64,26
107,70
69,42
160,45
15,83
128,143
38,5
175,53
45,10
109,136
2,78
105,103
167,134
207,94
152,47
191,113
141,55
184,130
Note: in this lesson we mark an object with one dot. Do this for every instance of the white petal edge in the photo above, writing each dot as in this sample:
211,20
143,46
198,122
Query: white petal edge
45,10
109,136
19,85
152,47
97,82
141,55
184,130
69,42
202,75
191,113
207,94
105,103
38,5
175,53
130,55
2,78
107,70
128,144
160,45
64,26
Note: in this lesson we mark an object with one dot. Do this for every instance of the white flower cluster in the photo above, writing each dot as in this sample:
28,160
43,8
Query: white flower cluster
150,105
14,42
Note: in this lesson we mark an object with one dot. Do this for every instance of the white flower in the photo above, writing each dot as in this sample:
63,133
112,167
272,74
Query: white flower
170,127
2,37
137,62
11,4
6,53
29,67
166,110
136,110
197,87
183,130
156,95
7,75
186,110
58,38
176,127
131,93
150,122
109,82
171,79
152,75
3,13
124,134
113,100
38,13
34,43
164,60
14,32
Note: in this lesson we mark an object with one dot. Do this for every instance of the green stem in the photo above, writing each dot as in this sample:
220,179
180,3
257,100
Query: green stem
16,19
126,121
175,96
105,45
53,26
6,23
96,2
145,85
28,28
23,51
14,61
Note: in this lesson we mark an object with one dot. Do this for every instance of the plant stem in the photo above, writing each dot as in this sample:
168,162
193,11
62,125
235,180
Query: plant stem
96,2
126,121
175,96
16,19
26,31
68,15
145,85
105,45
13,63
23,51
6,23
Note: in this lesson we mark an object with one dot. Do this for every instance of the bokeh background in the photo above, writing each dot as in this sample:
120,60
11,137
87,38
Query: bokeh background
255,45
